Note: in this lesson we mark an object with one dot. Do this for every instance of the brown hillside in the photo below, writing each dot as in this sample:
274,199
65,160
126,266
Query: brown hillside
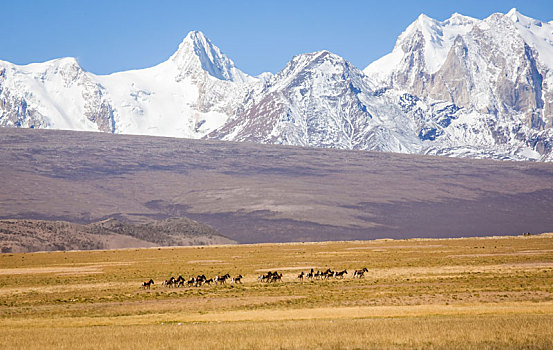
39,235
263,193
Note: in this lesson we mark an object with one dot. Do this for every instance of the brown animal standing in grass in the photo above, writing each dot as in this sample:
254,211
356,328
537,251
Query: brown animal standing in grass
328,273
340,274
179,282
360,273
170,282
200,279
221,279
237,279
300,276
276,277
263,278
146,285
270,277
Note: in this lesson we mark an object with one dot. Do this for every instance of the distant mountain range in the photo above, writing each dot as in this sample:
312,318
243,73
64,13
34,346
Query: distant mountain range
463,87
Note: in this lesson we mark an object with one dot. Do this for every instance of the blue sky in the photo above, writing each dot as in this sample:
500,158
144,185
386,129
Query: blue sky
263,35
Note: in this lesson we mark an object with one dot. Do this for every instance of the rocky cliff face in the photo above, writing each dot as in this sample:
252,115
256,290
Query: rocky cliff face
497,69
487,65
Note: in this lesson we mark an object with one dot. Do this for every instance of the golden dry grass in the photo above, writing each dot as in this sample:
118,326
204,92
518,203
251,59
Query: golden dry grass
514,332
490,293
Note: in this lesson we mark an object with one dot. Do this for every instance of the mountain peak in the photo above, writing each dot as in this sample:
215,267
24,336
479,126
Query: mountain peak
318,56
195,34
513,14
197,39
325,60
422,24
424,18
68,61
459,19
517,17
316,68
57,64
196,53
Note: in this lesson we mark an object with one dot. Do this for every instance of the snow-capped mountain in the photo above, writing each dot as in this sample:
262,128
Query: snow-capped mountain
460,87
57,94
190,94
497,71
319,99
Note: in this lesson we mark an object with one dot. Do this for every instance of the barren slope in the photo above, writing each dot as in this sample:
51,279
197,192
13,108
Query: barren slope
38,235
263,193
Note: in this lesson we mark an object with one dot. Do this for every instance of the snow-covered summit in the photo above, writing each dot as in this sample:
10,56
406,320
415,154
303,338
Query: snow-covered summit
518,17
197,53
433,40
431,37
537,34
499,68
303,67
459,19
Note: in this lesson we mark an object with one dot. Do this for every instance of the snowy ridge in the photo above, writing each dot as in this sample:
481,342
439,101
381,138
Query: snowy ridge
56,94
189,95
462,87
319,99
537,34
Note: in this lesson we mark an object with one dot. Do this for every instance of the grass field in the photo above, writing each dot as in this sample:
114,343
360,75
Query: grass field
485,293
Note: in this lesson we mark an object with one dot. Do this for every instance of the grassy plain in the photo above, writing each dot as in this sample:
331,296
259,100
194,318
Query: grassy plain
491,293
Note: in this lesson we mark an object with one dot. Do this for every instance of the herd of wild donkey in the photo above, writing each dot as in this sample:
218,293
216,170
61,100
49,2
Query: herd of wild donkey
269,277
